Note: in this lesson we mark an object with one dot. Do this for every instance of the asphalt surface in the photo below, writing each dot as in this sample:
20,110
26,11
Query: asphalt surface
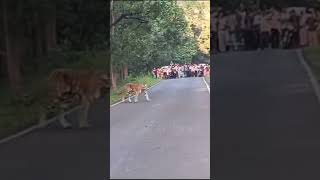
58,154
166,138
266,118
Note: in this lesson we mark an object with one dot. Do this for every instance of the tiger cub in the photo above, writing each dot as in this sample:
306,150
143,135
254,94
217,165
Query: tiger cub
134,89
69,87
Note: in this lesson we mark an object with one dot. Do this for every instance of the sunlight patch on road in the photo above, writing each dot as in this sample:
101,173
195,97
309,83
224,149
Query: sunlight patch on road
200,90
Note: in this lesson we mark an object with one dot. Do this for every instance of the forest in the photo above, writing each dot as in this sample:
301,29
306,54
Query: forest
125,38
38,36
153,33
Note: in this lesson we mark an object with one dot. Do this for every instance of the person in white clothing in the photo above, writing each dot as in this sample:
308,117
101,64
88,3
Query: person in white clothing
222,32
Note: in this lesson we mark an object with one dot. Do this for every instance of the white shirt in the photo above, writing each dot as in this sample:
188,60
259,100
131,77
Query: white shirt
257,19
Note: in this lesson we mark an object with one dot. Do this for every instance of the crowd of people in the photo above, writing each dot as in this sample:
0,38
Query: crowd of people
181,71
252,28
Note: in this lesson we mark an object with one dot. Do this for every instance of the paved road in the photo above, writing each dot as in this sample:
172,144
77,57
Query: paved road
168,137
57,154
266,118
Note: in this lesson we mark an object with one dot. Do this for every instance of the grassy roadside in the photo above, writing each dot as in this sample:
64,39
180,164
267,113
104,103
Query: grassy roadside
312,56
18,115
145,79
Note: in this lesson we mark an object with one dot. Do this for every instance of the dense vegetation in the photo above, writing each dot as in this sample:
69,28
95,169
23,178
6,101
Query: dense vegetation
37,36
153,33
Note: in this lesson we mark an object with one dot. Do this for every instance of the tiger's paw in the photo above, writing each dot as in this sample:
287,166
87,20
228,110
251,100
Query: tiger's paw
67,126
84,125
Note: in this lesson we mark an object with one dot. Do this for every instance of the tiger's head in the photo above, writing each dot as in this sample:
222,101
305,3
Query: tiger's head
104,84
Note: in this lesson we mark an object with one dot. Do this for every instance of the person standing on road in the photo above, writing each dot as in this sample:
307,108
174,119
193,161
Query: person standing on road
295,23
231,23
257,25
214,34
303,29
222,32
284,34
154,72
312,29
275,28
265,30
242,24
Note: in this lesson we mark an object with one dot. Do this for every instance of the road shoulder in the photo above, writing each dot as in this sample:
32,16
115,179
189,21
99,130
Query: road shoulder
307,66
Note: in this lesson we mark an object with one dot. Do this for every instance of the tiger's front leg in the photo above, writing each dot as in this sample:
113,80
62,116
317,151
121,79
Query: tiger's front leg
147,96
136,97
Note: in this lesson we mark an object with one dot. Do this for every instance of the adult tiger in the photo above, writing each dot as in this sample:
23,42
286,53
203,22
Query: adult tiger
68,87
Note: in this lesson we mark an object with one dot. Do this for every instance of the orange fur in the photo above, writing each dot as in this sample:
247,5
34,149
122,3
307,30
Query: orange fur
67,86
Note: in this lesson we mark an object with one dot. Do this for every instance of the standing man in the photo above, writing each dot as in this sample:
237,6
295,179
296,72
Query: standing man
214,29
222,32
231,23
257,25
265,30
241,15
154,71
312,29
275,28
295,22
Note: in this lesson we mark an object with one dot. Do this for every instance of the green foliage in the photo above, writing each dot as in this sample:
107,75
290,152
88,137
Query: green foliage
198,16
82,24
164,38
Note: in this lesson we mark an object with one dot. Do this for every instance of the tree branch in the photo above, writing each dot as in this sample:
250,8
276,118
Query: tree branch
128,16
137,18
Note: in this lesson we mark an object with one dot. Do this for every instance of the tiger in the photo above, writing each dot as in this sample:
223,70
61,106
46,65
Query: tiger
67,87
134,89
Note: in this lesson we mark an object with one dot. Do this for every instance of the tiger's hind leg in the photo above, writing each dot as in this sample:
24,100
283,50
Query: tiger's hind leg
129,99
60,117
147,96
64,123
83,119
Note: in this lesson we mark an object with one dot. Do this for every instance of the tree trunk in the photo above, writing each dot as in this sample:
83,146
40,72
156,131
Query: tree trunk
113,78
50,34
11,58
120,73
125,71
38,46
54,26
113,74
